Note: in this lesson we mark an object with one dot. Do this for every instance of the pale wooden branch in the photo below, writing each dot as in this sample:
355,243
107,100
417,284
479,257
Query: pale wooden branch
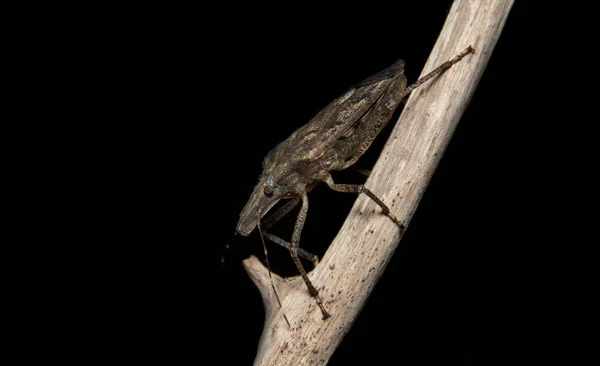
358,255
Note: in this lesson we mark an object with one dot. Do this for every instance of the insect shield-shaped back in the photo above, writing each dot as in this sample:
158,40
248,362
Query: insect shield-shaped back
334,135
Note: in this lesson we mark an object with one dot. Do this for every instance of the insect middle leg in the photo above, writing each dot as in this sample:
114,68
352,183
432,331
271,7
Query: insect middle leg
359,188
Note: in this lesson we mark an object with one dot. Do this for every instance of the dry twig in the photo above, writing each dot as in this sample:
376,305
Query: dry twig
358,255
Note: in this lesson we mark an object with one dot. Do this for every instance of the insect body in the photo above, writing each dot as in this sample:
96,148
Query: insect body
332,140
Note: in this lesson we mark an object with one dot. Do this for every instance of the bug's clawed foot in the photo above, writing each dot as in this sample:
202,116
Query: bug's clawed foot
396,221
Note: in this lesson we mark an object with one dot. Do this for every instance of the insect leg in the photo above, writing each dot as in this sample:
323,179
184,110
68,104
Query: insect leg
301,252
294,253
359,188
278,215
443,67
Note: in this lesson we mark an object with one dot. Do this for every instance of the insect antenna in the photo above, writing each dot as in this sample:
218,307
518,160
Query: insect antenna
270,276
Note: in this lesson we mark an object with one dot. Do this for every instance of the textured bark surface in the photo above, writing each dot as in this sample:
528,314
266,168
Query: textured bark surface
357,257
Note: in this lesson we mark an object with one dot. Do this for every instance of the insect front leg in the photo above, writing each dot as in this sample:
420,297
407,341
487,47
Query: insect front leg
359,188
301,252
294,253
278,215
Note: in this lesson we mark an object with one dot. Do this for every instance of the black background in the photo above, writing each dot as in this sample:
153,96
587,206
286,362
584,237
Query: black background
193,100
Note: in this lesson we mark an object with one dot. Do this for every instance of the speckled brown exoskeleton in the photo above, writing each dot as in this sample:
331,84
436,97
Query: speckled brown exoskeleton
332,140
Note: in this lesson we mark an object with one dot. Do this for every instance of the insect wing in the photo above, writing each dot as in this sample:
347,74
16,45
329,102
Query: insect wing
332,122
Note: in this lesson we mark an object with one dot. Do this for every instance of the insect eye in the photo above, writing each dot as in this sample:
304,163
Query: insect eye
268,191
